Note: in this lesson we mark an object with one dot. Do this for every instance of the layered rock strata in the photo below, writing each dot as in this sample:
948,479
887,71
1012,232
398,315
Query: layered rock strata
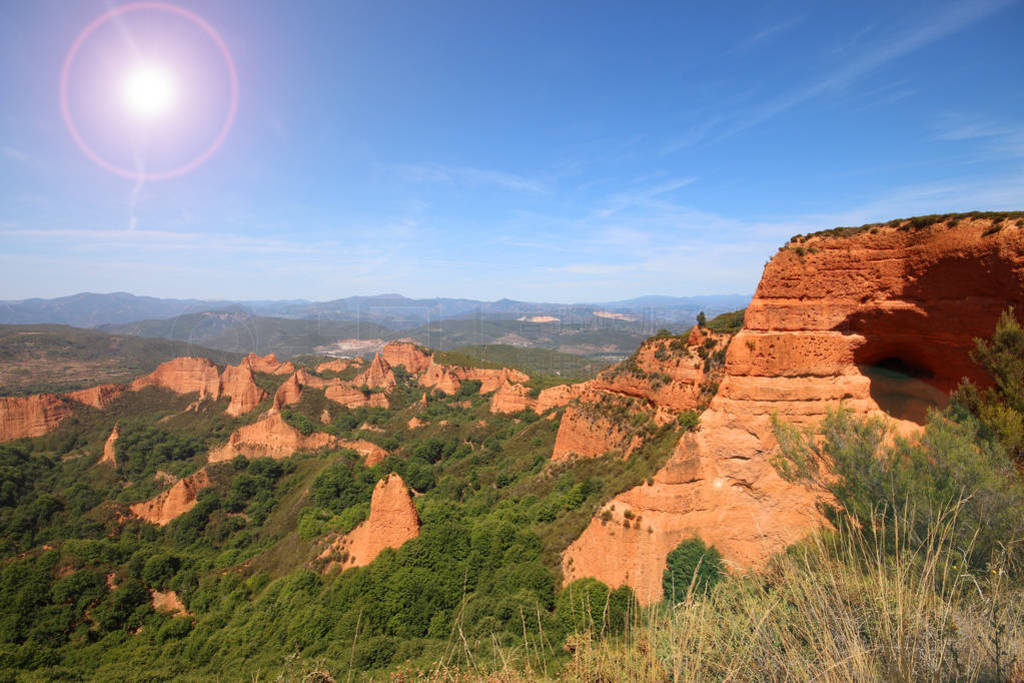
883,318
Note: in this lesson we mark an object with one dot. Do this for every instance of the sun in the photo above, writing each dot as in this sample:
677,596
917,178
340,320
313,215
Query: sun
148,90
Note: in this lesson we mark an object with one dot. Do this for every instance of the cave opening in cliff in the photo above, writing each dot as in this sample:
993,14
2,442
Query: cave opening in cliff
904,389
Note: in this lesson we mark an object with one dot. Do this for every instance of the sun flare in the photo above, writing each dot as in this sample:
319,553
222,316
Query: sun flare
148,90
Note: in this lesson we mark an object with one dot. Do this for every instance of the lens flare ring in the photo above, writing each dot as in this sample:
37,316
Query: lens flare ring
229,119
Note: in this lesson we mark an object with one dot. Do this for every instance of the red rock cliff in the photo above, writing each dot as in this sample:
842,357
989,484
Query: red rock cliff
829,314
173,502
237,382
34,415
413,357
269,437
665,377
393,520
184,376
378,376
98,397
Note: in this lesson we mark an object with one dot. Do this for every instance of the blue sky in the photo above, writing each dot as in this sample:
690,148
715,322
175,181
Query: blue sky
540,151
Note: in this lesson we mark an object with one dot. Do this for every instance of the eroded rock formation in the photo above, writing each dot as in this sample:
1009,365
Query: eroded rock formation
883,318
237,382
34,415
559,395
98,397
413,357
267,364
667,375
269,437
512,398
173,502
378,376
353,397
184,376
393,520
110,449
440,377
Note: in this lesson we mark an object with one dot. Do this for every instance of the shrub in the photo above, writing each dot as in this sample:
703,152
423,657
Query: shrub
588,605
693,569
689,420
950,465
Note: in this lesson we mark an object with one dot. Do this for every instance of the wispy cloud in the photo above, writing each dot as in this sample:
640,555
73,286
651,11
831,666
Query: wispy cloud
767,33
640,197
999,140
12,153
868,58
454,175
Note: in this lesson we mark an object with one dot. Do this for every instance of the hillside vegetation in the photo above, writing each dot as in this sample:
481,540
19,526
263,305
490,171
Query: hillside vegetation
35,358
920,578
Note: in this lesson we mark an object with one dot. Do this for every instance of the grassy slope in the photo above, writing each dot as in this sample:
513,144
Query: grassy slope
60,358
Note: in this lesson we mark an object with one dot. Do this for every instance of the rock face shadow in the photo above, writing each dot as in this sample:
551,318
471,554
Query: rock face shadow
917,352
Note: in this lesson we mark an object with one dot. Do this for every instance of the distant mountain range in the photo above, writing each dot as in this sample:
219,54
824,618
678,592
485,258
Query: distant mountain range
603,330
391,310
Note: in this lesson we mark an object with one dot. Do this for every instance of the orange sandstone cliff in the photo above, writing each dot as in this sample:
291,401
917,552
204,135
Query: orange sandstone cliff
413,357
173,502
267,364
880,318
34,415
110,449
393,520
269,437
98,397
512,398
378,376
237,382
184,376
666,376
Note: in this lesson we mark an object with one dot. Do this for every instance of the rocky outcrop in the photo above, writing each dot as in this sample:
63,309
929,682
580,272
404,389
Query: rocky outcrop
666,376
862,319
34,415
98,397
352,397
442,378
393,520
110,449
512,398
378,376
559,395
340,365
413,357
184,376
492,379
270,437
173,502
289,393
237,382
267,364
373,453
168,601
598,424
665,372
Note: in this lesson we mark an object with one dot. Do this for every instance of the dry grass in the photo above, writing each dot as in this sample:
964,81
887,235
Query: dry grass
833,609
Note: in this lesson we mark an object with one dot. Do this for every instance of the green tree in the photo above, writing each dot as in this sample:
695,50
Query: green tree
1000,408
702,320
692,569
588,605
